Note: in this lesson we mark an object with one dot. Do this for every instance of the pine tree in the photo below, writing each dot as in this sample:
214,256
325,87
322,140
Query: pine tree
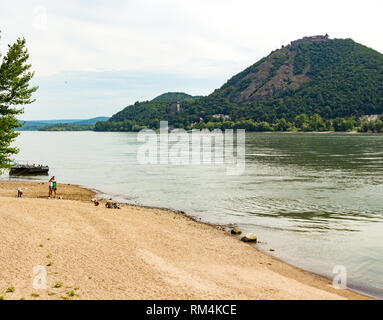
15,91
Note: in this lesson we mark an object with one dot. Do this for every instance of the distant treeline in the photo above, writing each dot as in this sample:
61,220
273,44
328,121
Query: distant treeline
67,127
302,123
68,124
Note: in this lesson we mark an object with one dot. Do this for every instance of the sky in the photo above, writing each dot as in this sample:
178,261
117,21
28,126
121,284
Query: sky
93,58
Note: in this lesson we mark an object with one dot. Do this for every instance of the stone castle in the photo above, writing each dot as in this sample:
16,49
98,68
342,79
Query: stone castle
311,39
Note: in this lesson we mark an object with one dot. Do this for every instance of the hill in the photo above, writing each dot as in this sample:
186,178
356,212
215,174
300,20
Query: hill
175,96
327,79
147,114
35,125
334,78
91,121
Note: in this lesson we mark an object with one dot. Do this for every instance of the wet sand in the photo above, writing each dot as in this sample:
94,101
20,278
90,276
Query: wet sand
135,252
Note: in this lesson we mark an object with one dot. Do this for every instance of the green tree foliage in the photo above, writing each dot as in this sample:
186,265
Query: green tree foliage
15,91
371,126
67,127
175,96
341,124
301,59
282,125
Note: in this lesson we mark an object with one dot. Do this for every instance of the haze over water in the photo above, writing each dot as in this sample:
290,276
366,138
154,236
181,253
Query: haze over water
315,198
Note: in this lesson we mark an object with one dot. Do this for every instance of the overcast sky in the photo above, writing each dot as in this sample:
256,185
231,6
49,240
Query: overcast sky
92,58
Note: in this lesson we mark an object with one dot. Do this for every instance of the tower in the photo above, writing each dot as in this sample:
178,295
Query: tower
175,107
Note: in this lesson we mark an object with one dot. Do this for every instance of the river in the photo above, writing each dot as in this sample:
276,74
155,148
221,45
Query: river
317,199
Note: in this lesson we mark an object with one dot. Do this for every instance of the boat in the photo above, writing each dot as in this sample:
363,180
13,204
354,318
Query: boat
24,168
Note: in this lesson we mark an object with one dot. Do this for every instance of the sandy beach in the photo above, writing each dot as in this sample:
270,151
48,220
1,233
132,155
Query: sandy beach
136,252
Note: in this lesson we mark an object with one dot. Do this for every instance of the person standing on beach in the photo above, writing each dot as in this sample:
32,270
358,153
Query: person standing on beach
54,185
51,186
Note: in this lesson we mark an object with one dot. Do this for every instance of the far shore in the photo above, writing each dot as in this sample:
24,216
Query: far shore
92,252
276,132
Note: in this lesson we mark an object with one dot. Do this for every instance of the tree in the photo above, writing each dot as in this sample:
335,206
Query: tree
364,127
264,126
300,120
378,125
316,123
14,92
282,125
339,124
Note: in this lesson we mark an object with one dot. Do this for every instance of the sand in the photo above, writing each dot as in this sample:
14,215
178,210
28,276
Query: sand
133,253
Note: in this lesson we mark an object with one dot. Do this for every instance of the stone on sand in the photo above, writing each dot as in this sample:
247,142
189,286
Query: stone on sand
250,237
236,231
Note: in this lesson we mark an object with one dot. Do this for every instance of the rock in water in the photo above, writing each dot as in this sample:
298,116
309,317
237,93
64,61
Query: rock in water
250,237
236,231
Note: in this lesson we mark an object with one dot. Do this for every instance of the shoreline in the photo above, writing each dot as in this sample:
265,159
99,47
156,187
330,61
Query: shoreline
256,275
227,229
100,195
354,132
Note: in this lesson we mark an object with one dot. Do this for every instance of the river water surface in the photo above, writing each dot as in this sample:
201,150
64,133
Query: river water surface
317,199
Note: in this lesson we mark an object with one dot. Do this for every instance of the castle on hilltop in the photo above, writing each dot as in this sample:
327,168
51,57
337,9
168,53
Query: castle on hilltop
311,39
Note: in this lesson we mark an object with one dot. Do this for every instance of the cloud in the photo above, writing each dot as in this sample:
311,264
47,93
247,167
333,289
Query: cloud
200,39
140,35
81,94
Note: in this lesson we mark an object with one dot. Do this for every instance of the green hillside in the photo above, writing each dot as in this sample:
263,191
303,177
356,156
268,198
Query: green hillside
175,96
332,79
148,114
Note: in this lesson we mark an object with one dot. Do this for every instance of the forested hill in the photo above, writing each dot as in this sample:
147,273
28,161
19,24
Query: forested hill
147,114
335,78
329,79
175,96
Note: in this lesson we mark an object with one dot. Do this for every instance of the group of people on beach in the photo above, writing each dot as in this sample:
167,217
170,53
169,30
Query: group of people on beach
52,188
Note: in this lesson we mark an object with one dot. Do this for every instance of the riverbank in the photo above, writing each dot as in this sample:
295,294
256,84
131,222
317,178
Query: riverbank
136,252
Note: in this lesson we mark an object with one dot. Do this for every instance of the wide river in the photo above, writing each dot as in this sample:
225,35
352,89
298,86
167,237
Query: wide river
317,199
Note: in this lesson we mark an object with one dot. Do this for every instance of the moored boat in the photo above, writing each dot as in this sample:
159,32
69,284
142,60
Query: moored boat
19,168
